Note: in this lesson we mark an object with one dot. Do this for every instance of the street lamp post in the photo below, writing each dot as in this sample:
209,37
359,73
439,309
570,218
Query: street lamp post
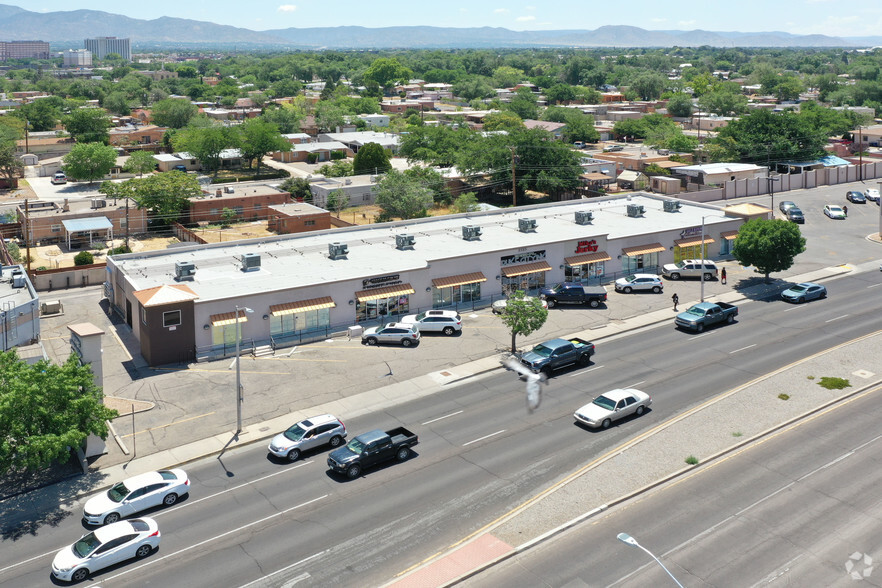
628,540
772,179
879,202
238,373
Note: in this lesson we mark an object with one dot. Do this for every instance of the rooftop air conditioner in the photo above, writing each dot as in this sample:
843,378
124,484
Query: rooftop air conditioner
404,241
250,262
635,210
18,280
583,217
471,232
337,250
184,270
671,205
229,190
526,225
98,203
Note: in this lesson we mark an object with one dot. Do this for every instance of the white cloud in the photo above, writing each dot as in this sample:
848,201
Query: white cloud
659,19
525,18
287,8
500,11
687,23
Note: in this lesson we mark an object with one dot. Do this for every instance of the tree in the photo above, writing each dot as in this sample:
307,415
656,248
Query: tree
523,103
140,162
337,201
502,121
680,105
174,113
649,86
286,118
205,143
630,127
41,114
117,103
14,251
402,197
89,161
84,258
260,137
768,245
88,125
10,164
560,94
227,216
463,203
166,195
298,188
724,100
45,410
385,71
370,159
523,316
762,137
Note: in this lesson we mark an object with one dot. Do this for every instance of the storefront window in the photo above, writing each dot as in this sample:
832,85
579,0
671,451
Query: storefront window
691,252
455,294
290,324
372,309
223,335
584,272
529,283
638,263
726,247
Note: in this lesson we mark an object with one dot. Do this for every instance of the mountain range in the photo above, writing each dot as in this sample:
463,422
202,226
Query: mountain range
67,29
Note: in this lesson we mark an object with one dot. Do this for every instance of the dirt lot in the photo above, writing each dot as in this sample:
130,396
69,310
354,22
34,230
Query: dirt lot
235,232
55,256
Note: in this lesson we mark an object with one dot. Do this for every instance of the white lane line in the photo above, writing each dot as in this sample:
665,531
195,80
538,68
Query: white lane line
836,319
795,307
742,349
443,417
172,509
634,385
579,373
484,437
699,336
873,286
209,540
292,581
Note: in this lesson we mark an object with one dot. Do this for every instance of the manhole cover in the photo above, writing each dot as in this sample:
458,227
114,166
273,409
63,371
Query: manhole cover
446,374
864,374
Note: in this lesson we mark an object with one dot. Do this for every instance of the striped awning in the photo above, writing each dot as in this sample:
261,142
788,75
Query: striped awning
643,249
692,241
587,258
527,268
387,292
472,278
302,306
729,235
227,318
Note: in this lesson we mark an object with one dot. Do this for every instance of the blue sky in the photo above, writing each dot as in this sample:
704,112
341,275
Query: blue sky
830,17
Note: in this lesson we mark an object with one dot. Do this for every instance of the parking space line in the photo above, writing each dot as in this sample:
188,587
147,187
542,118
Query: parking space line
223,371
169,424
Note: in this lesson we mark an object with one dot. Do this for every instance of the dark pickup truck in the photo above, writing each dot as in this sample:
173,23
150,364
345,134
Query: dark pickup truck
372,448
705,314
557,353
573,293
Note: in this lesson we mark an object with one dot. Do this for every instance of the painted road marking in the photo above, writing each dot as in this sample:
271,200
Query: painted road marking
443,417
169,424
484,437
742,349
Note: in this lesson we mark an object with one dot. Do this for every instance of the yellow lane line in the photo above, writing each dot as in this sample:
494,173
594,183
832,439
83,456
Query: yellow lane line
169,424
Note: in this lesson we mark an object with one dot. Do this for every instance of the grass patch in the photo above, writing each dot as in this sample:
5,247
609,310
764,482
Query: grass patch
811,377
692,460
834,383
783,396
737,433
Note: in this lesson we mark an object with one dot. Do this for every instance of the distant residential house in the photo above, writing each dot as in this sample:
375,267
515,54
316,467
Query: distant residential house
136,135
321,151
718,173
400,106
250,202
230,158
46,220
358,139
297,217
162,74
375,120
554,128
46,147
606,97
361,190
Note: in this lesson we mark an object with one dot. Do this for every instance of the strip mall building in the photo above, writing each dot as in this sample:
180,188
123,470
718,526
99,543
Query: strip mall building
182,303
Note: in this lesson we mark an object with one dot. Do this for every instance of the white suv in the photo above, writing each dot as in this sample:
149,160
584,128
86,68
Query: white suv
639,282
440,321
691,268
310,433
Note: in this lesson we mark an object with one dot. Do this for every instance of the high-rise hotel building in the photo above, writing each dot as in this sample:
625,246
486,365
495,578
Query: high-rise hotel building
102,46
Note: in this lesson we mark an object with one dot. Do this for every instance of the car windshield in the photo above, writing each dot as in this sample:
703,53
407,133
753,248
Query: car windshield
118,492
799,288
696,311
420,316
604,402
630,279
86,545
556,287
355,446
295,433
680,264
542,351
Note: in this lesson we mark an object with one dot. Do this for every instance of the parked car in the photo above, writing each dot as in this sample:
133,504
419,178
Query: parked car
612,406
833,211
372,448
136,494
437,321
640,282
795,215
308,434
872,194
690,268
611,148
579,145
573,293
498,307
180,168
786,205
395,333
856,197
803,292
105,547
59,178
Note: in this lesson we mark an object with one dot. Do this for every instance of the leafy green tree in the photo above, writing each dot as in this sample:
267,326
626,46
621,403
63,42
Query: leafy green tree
506,76
259,138
654,169
286,118
370,159
228,215
14,251
298,188
174,113
88,125
11,166
725,99
762,137
649,86
328,116
401,196
165,195
84,258
337,169
630,127
522,316
45,410
431,179
436,145
502,121
337,201
768,245
117,103
680,105
42,114
472,87
523,103
140,162
206,143
387,71
466,202
89,161
560,94
11,128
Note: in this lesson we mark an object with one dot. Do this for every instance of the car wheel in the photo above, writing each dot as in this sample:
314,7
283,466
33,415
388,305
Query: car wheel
708,277
294,455
143,551
823,295
403,453
449,331
730,319
656,289
675,276
584,359
170,499
606,423
627,290
640,410
801,299
594,303
371,341
406,342
551,302
111,518
353,472
79,575
699,328
336,440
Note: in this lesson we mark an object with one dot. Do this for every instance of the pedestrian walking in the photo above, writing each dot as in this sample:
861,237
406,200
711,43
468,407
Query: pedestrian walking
723,276
845,210
676,300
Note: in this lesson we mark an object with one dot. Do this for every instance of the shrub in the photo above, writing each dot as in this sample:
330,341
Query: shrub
84,258
311,157
783,396
335,155
119,250
834,383
692,460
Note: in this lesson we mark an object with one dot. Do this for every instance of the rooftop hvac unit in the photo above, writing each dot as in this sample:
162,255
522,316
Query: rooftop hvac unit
583,217
229,189
99,203
525,225
635,210
404,241
471,232
184,270
337,250
250,262
51,307
671,205
218,193
347,182
18,280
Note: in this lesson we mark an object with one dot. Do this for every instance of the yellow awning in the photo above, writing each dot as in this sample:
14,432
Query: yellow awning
302,306
729,235
527,268
643,249
588,258
472,278
227,318
387,292
692,241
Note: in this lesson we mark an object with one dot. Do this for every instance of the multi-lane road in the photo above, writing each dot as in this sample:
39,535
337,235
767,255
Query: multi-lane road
252,521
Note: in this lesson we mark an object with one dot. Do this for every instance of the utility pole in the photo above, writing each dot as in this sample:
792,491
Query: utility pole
514,182
861,153
27,233
127,222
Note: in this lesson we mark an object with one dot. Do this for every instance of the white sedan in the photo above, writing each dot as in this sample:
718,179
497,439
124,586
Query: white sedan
136,494
105,547
872,194
612,406
834,211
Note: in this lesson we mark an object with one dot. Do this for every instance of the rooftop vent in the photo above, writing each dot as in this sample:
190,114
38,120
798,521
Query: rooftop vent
526,225
404,241
671,205
250,262
99,203
583,217
229,190
471,232
635,210
184,270
337,250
